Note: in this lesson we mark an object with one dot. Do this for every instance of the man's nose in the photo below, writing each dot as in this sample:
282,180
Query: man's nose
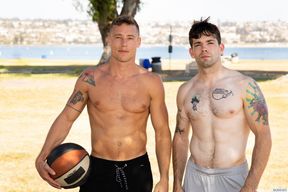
204,48
124,42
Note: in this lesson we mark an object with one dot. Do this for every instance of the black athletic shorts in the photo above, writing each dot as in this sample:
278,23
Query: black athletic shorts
134,175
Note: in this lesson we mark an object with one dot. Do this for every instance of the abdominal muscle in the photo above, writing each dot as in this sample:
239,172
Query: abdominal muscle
218,152
119,147
117,137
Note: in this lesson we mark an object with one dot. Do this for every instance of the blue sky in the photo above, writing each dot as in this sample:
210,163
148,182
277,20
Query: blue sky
152,10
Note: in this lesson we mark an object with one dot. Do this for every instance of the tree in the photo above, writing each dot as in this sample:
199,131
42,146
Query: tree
104,11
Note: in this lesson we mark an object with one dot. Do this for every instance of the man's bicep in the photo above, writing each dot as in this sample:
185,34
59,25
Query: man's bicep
182,122
158,109
158,112
182,118
79,97
77,100
255,107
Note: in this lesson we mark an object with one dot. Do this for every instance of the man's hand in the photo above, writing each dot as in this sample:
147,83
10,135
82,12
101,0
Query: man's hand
161,186
178,189
45,171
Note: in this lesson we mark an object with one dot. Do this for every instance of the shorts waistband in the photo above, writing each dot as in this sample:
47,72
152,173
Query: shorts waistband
140,159
240,169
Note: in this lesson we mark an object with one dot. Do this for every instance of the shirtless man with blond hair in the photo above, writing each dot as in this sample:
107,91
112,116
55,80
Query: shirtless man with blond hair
222,106
119,96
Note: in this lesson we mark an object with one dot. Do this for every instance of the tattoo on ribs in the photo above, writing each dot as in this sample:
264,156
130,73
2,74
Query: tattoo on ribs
220,93
257,103
78,96
179,130
195,100
88,78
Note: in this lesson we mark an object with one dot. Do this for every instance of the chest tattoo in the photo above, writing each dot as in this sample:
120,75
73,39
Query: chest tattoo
195,100
220,93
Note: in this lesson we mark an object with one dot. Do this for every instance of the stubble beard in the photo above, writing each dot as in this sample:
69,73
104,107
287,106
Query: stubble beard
122,59
206,64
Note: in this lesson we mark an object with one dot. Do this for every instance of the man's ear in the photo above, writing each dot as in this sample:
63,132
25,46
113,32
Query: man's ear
222,47
191,52
139,41
107,39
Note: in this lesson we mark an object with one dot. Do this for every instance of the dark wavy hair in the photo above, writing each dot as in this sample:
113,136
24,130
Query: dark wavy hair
203,27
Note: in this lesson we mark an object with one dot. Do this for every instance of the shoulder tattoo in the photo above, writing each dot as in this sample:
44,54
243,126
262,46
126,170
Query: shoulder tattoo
88,77
256,103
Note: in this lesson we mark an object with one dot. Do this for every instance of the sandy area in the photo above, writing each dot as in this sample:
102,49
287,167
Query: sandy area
30,103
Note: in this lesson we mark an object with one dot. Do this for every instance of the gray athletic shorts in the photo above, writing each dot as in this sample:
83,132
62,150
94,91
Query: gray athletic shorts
201,179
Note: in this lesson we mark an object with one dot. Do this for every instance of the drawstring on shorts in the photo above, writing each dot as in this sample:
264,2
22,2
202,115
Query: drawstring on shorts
121,177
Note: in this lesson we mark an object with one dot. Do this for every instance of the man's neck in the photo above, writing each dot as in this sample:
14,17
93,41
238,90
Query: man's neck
212,73
121,69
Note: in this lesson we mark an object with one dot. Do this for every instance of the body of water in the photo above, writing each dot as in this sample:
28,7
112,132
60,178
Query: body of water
90,52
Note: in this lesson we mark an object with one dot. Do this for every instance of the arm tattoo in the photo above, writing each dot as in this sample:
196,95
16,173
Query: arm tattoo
88,78
195,100
179,130
179,118
73,108
220,93
78,96
257,103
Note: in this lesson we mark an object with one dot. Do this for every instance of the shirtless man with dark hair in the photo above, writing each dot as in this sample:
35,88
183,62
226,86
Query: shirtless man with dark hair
119,96
222,106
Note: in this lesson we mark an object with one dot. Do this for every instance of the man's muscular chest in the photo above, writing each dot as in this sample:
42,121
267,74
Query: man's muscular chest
128,96
218,101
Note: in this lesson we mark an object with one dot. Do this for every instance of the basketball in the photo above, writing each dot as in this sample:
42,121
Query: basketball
71,164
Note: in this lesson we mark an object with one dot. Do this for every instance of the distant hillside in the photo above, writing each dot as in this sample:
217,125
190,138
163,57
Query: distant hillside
26,32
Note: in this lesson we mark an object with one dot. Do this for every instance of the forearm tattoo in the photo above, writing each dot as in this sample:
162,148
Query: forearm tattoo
220,93
256,103
88,78
77,97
